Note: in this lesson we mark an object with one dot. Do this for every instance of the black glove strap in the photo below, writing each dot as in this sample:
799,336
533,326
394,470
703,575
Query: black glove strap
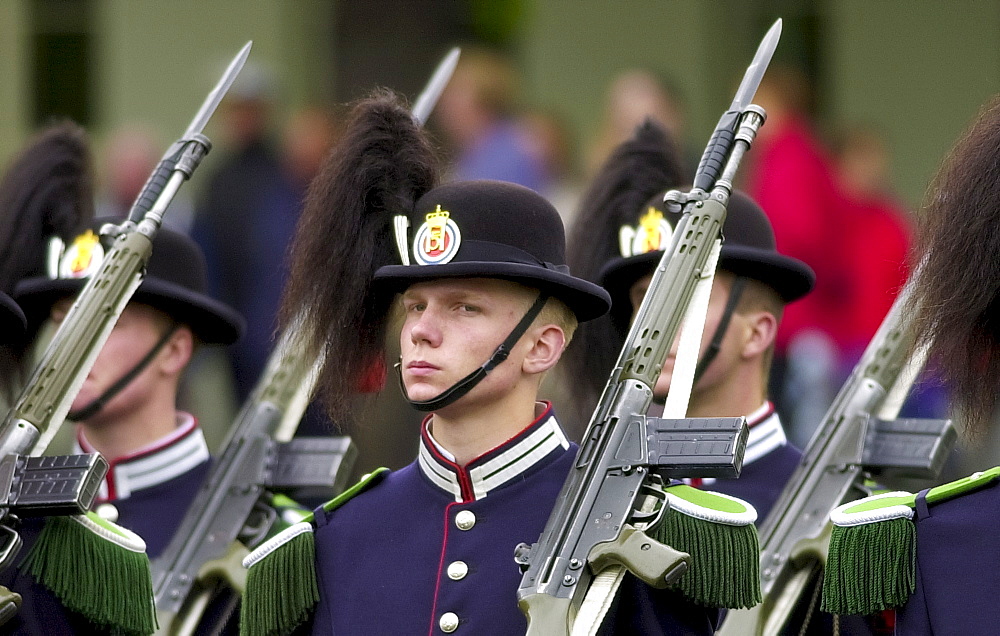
463,386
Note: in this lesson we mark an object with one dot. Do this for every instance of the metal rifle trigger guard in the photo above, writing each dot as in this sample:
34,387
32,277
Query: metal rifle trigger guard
652,506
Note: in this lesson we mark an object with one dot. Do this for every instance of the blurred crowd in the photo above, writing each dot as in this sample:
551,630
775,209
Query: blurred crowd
828,196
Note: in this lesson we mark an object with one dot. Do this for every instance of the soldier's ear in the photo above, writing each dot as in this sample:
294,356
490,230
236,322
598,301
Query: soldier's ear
547,344
178,350
760,330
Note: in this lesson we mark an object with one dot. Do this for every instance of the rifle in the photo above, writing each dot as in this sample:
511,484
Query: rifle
597,524
228,515
44,486
860,434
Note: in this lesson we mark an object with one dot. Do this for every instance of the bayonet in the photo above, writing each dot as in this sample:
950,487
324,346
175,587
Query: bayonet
186,153
432,92
722,138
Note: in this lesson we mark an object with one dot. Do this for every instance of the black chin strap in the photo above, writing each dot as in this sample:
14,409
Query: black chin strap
95,405
720,331
463,386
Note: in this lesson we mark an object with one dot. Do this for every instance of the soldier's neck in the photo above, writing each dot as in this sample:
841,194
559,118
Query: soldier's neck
469,429
116,437
740,394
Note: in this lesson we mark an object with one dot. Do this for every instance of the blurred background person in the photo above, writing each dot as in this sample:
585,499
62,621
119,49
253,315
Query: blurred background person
879,236
551,140
248,211
129,156
632,97
478,115
790,174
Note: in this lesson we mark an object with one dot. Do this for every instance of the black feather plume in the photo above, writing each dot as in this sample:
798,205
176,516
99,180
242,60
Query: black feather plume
956,304
381,165
46,191
648,163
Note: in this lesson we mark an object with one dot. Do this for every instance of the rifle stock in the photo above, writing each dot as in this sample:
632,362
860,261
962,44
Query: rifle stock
228,515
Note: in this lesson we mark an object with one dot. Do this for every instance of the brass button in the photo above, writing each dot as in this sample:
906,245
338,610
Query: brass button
457,570
448,622
108,512
465,520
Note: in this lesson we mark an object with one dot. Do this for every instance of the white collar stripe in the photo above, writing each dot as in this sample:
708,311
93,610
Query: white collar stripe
496,471
764,437
158,467
522,448
445,480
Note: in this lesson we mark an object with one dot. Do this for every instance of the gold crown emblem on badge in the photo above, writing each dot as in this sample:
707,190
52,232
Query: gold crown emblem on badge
82,251
437,217
650,234
436,222
650,224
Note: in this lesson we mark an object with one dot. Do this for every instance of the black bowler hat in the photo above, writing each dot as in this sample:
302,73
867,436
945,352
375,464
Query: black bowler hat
489,229
175,283
748,249
11,320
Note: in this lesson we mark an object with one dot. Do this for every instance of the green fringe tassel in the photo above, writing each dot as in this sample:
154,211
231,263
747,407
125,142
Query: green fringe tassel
725,560
108,584
871,567
281,589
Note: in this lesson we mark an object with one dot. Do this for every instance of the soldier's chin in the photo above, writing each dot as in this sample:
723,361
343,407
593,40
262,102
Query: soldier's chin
420,392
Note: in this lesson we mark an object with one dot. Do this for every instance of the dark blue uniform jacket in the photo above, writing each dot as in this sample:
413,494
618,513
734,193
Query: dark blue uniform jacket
431,548
768,463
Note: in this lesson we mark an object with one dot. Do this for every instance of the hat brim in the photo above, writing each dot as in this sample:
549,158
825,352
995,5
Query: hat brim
789,277
12,321
211,321
585,299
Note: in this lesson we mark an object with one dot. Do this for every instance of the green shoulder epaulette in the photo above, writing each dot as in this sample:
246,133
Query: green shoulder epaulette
96,569
281,590
871,565
718,532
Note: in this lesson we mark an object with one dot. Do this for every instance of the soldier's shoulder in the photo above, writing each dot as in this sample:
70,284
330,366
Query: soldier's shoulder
719,534
871,563
281,589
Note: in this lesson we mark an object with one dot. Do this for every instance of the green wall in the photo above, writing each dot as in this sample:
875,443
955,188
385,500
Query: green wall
917,69
155,61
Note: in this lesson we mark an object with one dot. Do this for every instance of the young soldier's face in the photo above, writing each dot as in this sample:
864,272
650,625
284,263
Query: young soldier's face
138,329
716,305
451,327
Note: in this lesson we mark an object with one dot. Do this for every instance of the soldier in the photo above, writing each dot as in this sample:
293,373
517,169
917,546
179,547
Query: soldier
622,232
486,305
934,554
126,409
